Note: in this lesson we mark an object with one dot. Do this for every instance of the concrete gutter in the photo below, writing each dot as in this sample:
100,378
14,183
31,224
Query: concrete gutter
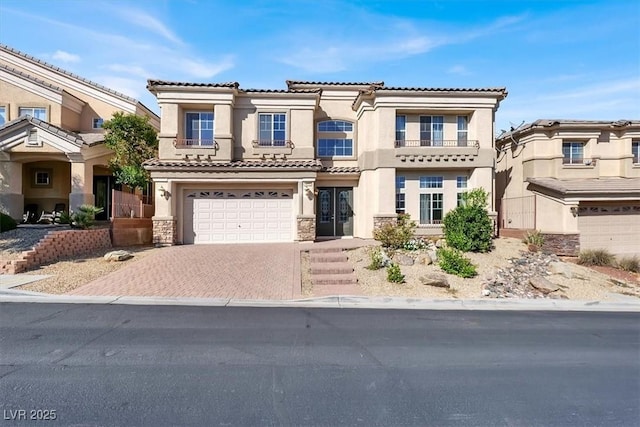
513,304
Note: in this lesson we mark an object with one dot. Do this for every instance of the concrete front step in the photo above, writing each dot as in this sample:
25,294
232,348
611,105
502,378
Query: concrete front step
327,257
333,279
331,268
325,250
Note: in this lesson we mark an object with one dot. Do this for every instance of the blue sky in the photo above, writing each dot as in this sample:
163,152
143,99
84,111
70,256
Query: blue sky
557,59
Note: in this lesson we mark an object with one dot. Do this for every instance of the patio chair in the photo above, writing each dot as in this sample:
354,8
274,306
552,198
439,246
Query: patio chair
57,211
50,217
30,212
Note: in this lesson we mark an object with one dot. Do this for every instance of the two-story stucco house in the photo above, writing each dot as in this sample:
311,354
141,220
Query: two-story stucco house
316,159
577,181
51,150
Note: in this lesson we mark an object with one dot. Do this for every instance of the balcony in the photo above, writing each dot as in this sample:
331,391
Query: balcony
436,143
269,148
199,143
578,161
197,149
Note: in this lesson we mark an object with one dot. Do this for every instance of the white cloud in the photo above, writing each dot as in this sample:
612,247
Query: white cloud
62,56
135,70
202,69
144,20
127,86
460,70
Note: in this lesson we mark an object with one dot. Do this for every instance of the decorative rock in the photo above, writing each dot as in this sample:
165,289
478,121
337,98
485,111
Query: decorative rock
402,259
439,243
561,268
425,259
433,255
486,292
386,261
118,256
435,279
543,285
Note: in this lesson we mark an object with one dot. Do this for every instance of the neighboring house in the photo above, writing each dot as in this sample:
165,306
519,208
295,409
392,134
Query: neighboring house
577,181
315,160
51,136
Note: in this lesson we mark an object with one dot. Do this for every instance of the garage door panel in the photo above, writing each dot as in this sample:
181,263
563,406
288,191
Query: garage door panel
615,228
220,216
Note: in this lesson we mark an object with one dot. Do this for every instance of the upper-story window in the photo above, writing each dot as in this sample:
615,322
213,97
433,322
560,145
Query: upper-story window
463,124
335,138
635,150
572,153
401,128
273,129
3,115
400,194
431,130
97,122
36,112
199,128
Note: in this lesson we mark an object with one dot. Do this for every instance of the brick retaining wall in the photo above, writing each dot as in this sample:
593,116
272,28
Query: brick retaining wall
57,245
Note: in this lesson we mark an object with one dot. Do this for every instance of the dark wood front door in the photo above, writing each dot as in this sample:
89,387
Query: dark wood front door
334,211
102,186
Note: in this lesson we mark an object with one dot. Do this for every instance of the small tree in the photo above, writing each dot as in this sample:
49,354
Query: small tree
133,140
468,227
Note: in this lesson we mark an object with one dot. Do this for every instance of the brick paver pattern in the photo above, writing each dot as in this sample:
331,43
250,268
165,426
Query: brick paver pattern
243,271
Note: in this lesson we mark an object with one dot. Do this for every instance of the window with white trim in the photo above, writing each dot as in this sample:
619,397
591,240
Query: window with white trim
400,194
97,122
35,112
431,131
573,153
463,130
199,127
335,138
461,184
272,130
3,115
635,150
431,200
401,128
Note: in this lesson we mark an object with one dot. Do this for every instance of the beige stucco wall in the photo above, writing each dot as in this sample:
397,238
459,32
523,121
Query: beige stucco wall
13,97
47,197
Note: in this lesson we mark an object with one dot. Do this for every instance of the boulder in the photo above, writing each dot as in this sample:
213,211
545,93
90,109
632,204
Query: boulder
425,259
435,279
433,254
386,261
543,285
402,259
117,256
440,243
561,268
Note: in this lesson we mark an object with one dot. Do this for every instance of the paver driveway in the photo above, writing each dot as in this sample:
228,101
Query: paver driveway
247,271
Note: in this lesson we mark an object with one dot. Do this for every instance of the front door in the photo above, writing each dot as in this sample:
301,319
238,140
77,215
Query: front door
334,211
102,186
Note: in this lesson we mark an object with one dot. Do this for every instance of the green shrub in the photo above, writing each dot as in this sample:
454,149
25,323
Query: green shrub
394,275
414,245
468,227
631,263
600,257
377,260
395,236
85,216
453,261
6,222
64,218
534,237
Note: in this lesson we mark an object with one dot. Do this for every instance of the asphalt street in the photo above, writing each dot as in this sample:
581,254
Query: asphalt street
92,364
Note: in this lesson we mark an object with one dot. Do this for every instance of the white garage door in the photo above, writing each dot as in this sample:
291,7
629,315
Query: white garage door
238,216
615,228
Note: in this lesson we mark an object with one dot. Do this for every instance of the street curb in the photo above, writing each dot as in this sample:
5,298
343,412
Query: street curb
336,302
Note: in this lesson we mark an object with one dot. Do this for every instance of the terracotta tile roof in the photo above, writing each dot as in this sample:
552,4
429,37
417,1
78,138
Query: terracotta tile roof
32,79
501,90
67,73
237,164
69,136
568,123
340,169
153,83
577,187
92,138
308,83
281,90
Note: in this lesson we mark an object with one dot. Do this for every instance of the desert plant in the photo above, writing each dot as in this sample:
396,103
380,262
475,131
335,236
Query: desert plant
394,274
453,261
395,236
600,257
6,222
468,227
414,245
377,260
85,216
534,240
630,263
64,218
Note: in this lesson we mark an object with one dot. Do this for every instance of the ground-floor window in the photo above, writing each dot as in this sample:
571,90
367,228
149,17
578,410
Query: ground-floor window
431,208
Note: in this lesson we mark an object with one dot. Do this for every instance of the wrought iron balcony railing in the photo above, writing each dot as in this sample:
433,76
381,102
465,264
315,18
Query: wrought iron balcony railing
267,143
196,143
437,143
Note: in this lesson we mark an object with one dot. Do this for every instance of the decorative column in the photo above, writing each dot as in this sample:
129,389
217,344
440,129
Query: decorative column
165,225
11,197
81,182
306,217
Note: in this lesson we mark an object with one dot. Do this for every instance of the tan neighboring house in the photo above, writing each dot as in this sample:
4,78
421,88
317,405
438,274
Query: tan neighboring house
316,160
577,181
51,139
